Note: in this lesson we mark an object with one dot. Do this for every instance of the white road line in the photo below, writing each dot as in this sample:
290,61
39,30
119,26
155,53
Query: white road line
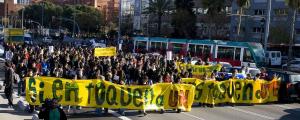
252,113
118,115
193,116
287,107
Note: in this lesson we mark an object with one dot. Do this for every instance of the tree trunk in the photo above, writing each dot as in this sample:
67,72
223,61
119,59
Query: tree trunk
159,24
239,24
292,35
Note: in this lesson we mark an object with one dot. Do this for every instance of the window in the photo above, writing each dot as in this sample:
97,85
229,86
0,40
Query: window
281,11
278,54
258,30
141,44
297,30
177,47
237,54
273,55
259,12
247,56
225,52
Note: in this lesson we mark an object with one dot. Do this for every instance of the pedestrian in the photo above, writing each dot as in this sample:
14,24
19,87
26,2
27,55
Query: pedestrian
8,83
51,111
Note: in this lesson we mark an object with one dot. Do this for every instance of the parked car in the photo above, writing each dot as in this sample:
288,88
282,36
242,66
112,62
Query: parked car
1,50
294,66
47,39
253,71
289,90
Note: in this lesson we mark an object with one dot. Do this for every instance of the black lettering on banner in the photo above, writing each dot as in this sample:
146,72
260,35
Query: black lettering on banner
264,90
32,88
199,90
230,86
257,94
147,92
128,91
57,85
137,97
159,100
100,93
41,92
223,89
89,87
112,100
184,98
173,98
238,87
68,89
246,88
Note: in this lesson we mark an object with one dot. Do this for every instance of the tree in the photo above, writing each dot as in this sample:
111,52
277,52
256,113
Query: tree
279,34
214,8
242,4
158,7
294,5
184,19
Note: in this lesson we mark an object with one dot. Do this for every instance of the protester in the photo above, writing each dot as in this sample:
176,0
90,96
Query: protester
8,83
51,111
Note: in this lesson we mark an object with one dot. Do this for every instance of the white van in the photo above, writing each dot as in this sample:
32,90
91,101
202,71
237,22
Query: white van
273,58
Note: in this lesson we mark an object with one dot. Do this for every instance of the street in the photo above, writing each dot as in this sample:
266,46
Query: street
242,112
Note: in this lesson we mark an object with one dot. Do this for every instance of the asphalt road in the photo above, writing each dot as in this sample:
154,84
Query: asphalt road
256,112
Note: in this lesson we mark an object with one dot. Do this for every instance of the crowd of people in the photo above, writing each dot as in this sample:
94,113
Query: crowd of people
67,61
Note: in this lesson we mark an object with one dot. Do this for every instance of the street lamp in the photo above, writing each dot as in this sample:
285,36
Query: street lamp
262,24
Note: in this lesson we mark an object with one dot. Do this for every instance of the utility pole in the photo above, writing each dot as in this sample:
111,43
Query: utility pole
73,35
268,25
23,17
120,20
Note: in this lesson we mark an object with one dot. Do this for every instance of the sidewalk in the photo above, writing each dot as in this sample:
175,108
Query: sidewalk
9,113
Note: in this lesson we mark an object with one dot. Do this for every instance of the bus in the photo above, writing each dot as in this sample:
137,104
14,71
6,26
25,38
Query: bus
235,53
14,35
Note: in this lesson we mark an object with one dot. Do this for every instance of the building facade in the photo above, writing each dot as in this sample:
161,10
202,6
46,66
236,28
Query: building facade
253,26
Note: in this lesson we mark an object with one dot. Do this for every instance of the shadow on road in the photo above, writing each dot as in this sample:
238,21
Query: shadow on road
88,115
293,114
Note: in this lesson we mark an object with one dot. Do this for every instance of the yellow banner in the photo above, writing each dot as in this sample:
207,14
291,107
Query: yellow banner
234,91
198,70
15,32
109,51
99,93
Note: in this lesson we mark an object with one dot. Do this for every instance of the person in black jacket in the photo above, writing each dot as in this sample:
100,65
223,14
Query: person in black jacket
51,111
8,83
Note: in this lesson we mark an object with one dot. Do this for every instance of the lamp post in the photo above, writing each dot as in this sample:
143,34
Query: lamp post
262,24
23,17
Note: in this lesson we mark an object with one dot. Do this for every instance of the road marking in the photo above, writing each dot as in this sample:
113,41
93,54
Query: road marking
193,116
252,113
118,115
287,107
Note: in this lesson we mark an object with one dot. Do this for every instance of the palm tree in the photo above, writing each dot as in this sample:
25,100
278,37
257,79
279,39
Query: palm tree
293,5
158,7
242,4
214,8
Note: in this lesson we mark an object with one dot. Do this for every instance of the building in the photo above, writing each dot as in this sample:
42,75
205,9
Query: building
221,29
23,2
253,27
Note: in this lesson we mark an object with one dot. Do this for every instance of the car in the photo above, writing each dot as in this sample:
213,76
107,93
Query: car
289,90
47,39
1,50
294,66
253,71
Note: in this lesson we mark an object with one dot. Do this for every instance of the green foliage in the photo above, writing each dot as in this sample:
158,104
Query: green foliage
243,3
88,18
184,19
279,34
294,4
158,8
